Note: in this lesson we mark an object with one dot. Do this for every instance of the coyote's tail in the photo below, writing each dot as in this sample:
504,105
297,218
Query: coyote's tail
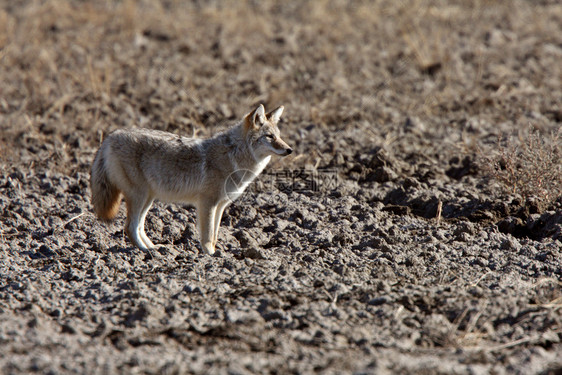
105,195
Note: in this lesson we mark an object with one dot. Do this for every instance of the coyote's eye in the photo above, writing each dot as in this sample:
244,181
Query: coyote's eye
270,137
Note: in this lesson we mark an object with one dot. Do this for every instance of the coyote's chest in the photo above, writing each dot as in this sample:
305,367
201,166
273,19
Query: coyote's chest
241,178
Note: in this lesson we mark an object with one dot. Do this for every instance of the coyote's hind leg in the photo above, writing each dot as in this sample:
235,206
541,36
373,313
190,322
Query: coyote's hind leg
143,236
137,207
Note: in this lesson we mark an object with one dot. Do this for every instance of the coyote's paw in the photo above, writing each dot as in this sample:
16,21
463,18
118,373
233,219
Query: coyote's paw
209,248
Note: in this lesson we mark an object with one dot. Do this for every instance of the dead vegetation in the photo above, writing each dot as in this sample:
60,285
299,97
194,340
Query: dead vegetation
529,166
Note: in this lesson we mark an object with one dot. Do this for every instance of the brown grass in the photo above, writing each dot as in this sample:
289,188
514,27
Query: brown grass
87,68
529,166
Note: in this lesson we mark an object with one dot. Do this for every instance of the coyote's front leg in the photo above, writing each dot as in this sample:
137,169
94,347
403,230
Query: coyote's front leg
218,216
206,223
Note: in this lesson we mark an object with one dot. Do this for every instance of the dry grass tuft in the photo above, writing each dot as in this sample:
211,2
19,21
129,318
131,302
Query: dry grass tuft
530,166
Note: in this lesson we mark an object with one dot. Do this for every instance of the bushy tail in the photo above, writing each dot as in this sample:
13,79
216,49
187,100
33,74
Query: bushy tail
105,196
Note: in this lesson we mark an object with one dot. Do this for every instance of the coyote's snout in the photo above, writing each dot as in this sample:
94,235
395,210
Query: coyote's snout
142,165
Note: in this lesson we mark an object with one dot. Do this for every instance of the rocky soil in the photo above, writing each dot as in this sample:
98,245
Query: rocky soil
379,246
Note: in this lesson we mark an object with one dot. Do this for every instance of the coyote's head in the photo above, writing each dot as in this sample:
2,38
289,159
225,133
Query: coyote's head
262,133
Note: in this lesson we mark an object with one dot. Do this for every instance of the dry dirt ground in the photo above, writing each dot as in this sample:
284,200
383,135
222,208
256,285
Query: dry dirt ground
377,247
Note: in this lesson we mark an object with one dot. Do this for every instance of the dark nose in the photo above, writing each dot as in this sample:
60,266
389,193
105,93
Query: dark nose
289,151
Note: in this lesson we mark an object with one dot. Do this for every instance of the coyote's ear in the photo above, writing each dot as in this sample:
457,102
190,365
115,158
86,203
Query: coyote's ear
275,115
259,116
255,119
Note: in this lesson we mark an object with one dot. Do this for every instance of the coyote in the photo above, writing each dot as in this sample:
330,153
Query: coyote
143,165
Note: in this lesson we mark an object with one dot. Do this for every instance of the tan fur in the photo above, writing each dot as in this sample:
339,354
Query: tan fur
106,198
144,165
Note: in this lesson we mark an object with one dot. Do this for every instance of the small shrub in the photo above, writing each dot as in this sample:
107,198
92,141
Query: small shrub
530,165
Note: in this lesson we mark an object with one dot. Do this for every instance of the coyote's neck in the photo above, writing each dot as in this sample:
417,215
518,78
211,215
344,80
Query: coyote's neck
242,152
